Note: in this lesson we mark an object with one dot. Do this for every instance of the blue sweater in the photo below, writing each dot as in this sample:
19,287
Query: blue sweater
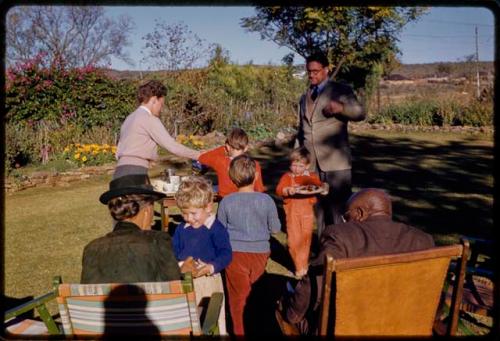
211,245
250,218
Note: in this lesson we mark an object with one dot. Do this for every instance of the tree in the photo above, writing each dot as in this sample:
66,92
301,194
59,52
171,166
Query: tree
219,56
354,38
172,46
78,35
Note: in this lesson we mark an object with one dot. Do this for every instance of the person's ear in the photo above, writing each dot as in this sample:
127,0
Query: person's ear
357,214
209,208
363,213
245,149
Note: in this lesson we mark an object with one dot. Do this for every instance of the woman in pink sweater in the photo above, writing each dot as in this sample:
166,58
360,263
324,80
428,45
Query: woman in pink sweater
143,131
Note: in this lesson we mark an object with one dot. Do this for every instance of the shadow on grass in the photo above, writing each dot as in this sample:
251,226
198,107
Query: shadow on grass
443,188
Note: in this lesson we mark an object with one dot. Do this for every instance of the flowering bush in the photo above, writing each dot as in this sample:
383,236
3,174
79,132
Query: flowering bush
190,141
89,154
85,96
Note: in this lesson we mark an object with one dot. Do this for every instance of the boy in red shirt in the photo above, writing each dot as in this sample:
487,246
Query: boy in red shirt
219,159
299,207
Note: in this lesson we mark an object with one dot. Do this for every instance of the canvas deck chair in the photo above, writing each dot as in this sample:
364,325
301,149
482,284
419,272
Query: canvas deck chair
149,308
15,325
390,295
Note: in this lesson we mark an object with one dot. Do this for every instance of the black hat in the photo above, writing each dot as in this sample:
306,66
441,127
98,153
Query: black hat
130,184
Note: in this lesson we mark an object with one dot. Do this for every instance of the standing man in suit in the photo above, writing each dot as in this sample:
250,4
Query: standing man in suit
325,110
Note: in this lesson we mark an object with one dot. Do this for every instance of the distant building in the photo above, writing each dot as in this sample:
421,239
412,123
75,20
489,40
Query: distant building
299,74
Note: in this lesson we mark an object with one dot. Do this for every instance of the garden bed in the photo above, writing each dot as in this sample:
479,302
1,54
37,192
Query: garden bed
54,178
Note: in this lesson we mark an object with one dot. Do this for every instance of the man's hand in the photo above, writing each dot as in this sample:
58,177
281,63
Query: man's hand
324,188
332,108
188,265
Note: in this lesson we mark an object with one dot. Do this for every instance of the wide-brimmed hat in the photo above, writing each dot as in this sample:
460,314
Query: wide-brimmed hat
130,184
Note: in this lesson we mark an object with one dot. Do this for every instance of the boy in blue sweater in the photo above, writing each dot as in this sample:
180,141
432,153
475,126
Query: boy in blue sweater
201,243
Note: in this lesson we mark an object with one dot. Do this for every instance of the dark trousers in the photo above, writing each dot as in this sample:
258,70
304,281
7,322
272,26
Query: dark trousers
128,170
330,208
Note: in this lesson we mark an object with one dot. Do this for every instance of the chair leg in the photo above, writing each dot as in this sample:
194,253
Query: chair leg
458,288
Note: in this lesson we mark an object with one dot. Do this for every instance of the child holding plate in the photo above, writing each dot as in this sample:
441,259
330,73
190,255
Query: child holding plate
298,188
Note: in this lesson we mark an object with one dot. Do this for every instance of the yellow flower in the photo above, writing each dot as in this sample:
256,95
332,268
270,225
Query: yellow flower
66,149
77,156
94,152
86,148
84,158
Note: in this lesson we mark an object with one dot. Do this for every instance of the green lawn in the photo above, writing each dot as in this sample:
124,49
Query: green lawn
442,183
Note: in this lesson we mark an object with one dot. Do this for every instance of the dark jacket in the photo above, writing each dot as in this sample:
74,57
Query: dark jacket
129,254
377,235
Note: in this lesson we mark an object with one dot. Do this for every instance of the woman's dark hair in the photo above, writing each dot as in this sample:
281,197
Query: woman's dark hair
150,89
128,206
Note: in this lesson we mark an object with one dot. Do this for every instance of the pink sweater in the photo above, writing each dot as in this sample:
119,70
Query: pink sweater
140,135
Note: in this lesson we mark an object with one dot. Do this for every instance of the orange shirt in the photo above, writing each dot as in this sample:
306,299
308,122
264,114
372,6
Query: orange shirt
219,161
288,180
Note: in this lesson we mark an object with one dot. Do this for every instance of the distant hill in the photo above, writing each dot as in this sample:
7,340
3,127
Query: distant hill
443,69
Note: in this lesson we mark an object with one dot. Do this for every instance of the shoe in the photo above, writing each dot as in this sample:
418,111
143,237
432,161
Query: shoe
286,328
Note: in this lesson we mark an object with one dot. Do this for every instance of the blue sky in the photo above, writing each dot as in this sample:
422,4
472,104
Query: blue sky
443,34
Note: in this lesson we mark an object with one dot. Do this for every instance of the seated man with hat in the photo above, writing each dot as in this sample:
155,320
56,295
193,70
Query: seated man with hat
132,252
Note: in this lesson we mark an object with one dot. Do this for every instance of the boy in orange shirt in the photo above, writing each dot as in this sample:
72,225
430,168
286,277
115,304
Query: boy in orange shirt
219,159
299,207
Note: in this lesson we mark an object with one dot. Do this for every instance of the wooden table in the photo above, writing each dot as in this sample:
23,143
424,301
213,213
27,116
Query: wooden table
164,205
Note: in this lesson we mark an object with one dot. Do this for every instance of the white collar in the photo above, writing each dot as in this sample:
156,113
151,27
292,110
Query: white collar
145,108
306,173
208,222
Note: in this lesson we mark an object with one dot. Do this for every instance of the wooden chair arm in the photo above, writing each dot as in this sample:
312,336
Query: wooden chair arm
38,303
210,325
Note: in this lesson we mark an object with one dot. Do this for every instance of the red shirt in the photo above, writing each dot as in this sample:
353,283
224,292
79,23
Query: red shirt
289,180
219,161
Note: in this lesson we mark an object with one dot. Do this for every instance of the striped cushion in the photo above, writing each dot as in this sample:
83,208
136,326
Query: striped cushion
139,308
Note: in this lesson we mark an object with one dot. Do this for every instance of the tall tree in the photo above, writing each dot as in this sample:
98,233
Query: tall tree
79,35
354,38
172,46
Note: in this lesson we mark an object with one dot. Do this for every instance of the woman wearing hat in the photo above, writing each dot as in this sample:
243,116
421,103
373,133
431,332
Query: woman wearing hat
132,252
143,131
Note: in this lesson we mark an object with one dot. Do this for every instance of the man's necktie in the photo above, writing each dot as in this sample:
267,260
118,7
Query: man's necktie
314,92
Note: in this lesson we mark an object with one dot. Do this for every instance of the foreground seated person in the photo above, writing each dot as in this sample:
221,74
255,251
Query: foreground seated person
132,252
368,231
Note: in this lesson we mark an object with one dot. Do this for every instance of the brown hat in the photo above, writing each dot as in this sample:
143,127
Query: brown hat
130,184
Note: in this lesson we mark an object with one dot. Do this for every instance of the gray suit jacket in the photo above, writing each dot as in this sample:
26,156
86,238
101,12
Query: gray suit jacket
325,135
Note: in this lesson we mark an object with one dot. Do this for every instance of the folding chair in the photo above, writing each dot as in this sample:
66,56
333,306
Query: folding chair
15,325
149,308
390,295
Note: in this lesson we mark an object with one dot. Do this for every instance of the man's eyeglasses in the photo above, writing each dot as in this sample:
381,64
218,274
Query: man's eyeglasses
314,72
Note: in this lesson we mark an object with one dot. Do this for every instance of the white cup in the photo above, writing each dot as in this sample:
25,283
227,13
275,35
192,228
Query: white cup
169,187
175,180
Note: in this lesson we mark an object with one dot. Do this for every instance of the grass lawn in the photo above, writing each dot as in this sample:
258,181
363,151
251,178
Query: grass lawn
442,183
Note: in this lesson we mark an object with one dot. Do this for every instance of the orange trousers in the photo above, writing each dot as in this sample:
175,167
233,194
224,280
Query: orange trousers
243,271
299,225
